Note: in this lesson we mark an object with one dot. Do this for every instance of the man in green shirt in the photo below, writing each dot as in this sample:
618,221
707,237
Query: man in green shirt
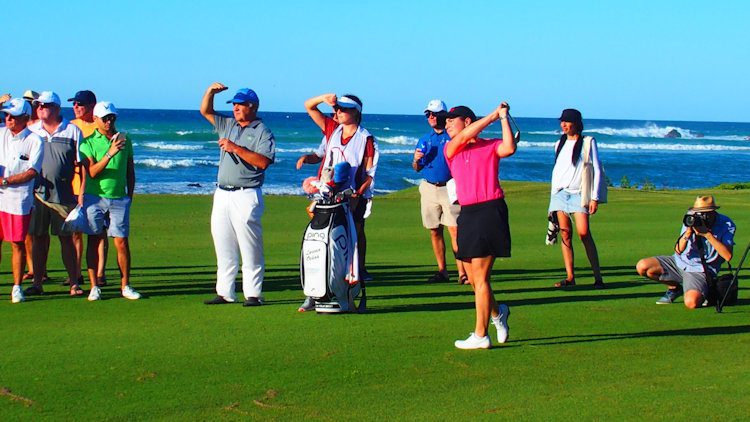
107,157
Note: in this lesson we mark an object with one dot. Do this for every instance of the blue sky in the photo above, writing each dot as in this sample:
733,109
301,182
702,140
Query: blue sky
657,60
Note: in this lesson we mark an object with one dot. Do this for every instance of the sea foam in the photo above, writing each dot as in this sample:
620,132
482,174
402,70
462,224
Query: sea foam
398,140
168,164
172,147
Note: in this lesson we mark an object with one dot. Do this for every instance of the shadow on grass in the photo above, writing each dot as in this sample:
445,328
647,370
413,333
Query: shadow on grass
584,338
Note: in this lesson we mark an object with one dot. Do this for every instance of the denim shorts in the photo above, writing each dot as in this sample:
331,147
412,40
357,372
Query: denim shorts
106,213
566,202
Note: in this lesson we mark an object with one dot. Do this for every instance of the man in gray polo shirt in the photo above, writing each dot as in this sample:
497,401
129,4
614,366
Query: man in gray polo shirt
247,149
54,197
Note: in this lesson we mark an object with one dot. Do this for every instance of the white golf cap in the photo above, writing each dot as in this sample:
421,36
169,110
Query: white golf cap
346,102
47,97
436,106
104,108
17,107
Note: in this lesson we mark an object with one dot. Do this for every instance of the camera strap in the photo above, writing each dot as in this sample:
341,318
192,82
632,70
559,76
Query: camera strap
711,280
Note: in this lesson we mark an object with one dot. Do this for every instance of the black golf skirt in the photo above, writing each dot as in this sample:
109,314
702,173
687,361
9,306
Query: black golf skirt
483,230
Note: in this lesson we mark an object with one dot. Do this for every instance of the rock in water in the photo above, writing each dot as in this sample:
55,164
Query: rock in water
673,134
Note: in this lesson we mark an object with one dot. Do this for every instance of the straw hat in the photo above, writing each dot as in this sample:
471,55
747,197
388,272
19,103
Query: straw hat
704,204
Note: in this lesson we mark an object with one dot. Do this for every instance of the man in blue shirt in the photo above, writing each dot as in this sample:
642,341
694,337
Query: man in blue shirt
708,234
437,209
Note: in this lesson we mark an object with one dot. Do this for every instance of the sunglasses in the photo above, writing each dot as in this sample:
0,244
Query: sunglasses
78,104
429,114
342,109
46,105
109,118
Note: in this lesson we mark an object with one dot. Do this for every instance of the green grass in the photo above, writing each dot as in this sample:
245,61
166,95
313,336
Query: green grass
577,354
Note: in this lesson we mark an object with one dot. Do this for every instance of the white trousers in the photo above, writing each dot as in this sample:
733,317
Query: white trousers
236,229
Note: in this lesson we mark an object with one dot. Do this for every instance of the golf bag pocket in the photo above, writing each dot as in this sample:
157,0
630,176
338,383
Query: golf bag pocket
327,254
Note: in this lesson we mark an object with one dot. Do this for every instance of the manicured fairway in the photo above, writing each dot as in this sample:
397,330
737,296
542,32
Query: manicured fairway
575,354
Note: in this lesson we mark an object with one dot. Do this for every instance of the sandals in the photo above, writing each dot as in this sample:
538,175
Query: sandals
463,279
30,276
75,290
565,283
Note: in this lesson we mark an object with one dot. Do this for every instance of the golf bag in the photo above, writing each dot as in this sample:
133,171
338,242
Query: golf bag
726,287
328,261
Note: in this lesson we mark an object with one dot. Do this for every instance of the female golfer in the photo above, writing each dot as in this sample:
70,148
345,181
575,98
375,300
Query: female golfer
483,231
568,186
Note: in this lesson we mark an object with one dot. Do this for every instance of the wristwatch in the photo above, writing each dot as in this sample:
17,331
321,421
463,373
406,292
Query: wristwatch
5,181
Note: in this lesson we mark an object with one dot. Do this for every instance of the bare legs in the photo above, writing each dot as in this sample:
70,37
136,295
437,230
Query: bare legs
566,244
478,270
40,252
651,268
438,248
95,257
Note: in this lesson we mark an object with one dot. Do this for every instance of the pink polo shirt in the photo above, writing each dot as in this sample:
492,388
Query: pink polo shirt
475,170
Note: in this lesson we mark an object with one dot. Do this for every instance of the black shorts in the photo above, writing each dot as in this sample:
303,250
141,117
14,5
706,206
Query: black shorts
358,206
483,230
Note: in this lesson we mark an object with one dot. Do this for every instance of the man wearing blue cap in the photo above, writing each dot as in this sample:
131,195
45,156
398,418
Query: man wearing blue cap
21,156
247,149
436,208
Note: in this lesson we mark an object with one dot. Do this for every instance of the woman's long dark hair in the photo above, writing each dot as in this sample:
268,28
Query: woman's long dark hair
576,148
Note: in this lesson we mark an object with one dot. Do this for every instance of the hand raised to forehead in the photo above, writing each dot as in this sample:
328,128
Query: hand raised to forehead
217,87
330,99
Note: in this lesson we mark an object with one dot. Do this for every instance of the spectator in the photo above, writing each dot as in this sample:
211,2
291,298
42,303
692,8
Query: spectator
247,148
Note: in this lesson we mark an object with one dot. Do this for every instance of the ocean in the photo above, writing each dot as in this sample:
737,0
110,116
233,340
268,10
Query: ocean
177,152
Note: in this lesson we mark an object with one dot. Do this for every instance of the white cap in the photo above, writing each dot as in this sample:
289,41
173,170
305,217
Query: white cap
104,108
436,106
347,102
17,107
47,97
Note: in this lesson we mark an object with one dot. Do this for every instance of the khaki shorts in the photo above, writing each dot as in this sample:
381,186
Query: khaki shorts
48,219
436,207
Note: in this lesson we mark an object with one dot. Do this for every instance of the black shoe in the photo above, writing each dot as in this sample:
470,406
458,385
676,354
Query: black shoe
218,300
438,277
33,291
599,285
252,301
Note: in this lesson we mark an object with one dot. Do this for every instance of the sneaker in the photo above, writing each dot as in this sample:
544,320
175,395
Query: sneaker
95,294
670,296
501,323
599,285
474,342
307,305
218,300
252,301
129,293
16,295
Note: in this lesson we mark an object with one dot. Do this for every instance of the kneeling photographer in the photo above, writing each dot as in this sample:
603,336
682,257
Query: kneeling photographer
705,242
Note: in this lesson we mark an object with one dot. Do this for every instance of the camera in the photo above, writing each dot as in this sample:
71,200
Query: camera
700,221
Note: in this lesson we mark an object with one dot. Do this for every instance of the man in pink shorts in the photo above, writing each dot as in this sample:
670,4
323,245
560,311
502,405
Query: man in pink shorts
21,156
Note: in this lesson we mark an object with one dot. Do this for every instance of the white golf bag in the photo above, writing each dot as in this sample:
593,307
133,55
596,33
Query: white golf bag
329,268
